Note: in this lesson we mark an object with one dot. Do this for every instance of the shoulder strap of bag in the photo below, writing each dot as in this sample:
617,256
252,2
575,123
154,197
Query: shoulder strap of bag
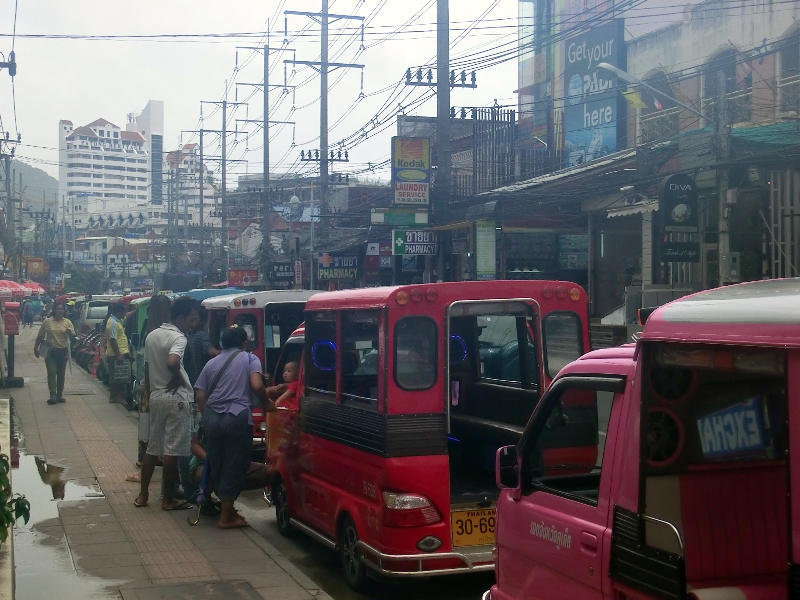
221,372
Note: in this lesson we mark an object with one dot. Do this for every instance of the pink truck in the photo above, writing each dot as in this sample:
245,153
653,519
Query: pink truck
664,470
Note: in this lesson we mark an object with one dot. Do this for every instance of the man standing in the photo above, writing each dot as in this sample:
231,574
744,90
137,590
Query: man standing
117,352
200,350
171,398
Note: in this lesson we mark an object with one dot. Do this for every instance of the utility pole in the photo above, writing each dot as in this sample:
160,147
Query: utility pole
443,150
223,192
265,123
723,153
324,67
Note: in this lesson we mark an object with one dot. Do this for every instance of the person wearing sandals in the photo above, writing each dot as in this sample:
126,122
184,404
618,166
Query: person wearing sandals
53,342
223,393
171,402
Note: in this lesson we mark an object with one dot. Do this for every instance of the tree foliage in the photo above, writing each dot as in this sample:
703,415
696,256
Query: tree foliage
83,280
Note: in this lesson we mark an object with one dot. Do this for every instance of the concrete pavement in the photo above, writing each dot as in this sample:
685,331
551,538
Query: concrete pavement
124,551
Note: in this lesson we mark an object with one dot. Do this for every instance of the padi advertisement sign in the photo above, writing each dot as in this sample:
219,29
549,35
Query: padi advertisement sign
590,114
337,266
411,170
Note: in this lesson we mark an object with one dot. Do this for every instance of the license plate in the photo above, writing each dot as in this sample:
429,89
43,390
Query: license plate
472,527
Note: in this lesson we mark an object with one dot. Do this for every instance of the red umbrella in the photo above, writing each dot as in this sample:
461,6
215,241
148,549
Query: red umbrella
34,287
13,289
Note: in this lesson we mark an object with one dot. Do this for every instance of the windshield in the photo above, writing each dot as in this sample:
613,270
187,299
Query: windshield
97,312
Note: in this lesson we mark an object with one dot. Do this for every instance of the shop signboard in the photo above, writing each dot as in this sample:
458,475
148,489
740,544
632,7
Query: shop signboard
590,114
331,267
461,241
237,277
400,217
298,272
282,271
35,266
411,170
678,203
680,252
414,241
485,249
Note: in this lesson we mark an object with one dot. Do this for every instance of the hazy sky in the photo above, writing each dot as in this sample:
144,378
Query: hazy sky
82,80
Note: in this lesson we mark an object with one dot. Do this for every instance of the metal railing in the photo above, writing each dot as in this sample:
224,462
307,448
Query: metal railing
789,94
660,126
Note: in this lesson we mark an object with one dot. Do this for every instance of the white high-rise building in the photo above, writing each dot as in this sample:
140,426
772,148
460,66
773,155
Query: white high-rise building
182,185
150,125
102,170
110,175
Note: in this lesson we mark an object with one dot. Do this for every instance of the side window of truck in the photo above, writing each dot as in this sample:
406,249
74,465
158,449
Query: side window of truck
563,341
564,454
321,355
360,357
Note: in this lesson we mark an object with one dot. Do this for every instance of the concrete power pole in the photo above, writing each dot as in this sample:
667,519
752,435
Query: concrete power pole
324,66
723,153
443,149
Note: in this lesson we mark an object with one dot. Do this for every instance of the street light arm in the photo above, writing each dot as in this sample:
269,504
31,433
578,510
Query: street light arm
625,76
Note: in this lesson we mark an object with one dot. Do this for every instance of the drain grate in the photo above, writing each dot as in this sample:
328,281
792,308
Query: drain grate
80,390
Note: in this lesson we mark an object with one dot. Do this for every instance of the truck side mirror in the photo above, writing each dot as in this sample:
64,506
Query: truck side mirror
506,468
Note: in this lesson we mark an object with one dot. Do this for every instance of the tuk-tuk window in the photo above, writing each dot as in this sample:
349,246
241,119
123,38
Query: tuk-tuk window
321,354
360,357
569,435
563,341
415,353
250,324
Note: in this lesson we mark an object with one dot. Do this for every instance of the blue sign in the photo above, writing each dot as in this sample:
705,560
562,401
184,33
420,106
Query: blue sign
590,114
738,429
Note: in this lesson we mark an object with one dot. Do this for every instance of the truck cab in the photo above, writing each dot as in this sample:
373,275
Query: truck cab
663,470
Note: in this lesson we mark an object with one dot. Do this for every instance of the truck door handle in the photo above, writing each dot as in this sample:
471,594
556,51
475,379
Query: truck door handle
589,540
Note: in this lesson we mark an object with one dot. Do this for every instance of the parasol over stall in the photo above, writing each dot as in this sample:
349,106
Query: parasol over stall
12,289
34,287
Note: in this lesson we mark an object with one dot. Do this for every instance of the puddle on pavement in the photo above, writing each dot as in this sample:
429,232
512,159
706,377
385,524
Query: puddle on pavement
43,560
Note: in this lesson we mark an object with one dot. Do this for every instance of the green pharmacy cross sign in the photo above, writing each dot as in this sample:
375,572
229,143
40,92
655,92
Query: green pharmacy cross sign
414,242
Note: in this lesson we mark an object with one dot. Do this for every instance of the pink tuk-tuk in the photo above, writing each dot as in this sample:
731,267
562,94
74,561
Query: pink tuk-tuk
664,470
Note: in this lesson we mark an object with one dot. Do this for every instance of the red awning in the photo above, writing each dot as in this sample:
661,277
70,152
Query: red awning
11,289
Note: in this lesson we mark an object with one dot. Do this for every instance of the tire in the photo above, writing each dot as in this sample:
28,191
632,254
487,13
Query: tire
282,513
355,571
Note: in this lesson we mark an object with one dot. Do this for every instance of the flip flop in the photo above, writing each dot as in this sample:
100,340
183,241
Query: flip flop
138,504
179,506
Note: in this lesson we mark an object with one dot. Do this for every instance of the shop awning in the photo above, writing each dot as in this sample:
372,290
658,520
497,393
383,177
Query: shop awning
637,208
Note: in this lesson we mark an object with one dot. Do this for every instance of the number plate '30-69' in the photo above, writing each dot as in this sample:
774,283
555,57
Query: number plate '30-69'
472,527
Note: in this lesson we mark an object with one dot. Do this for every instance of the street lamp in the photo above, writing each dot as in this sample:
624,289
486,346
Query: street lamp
625,76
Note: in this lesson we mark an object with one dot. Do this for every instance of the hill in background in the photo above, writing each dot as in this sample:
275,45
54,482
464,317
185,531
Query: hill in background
36,186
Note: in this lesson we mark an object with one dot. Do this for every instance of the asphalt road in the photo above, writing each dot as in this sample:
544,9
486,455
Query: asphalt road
324,568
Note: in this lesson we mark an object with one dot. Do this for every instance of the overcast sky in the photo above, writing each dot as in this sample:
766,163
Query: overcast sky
82,80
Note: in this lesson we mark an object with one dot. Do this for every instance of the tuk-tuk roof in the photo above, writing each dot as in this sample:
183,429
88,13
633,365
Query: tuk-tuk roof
760,313
262,298
447,293
205,293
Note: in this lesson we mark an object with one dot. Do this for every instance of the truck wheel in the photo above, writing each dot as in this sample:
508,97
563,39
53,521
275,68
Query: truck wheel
355,571
282,514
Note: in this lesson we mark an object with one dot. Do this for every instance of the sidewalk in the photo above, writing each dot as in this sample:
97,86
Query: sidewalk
141,553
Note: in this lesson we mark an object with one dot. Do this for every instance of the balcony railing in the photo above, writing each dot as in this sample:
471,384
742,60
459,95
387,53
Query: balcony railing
660,126
789,94
739,106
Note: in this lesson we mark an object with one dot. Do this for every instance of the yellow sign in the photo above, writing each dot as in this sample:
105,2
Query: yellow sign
411,170
35,266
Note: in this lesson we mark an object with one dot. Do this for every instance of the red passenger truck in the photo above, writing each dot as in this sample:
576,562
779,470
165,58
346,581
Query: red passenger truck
405,395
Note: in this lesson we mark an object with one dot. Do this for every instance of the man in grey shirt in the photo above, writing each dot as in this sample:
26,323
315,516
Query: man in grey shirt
171,401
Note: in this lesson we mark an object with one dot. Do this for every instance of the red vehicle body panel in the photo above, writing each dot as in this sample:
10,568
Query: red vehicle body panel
732,521
327,480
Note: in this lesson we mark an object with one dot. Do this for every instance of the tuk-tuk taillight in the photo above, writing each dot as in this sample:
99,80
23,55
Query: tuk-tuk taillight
408,510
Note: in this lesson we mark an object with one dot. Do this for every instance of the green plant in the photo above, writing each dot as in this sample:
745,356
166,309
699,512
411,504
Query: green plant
12,506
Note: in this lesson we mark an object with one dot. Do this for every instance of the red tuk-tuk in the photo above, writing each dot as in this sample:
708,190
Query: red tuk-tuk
405,395
269,318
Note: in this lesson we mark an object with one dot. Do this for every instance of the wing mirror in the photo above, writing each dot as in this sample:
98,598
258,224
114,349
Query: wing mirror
506,468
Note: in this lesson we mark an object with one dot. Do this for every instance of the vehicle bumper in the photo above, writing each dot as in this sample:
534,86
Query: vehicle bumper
480,559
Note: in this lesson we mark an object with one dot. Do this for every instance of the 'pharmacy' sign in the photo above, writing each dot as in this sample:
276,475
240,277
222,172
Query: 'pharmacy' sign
413,241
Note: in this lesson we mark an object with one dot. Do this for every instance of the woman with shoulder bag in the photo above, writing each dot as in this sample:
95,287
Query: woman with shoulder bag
52,343
223,393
